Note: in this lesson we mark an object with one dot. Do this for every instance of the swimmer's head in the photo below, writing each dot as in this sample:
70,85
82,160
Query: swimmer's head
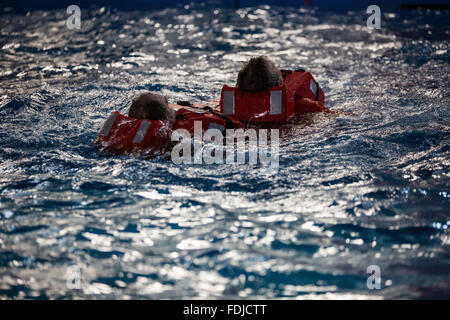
259,74
151,106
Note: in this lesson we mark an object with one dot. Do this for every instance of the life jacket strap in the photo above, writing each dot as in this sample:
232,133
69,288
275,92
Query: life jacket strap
285,72
288,71
229,124
184,103
180,117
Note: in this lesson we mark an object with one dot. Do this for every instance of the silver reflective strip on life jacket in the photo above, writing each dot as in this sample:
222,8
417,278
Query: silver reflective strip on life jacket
313,87
228,102
213,125
108,125
142,131
275,102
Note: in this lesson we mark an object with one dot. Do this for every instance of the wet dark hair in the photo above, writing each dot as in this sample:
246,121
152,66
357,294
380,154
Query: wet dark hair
151,106
259,74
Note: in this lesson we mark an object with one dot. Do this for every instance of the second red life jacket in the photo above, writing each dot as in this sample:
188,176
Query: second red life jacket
122,135
299,93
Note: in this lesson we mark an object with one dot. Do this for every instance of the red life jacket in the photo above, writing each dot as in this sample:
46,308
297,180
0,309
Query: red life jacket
276,104
186,116
124,135
121,135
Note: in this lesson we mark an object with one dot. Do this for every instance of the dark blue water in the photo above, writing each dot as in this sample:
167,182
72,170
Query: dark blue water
351,191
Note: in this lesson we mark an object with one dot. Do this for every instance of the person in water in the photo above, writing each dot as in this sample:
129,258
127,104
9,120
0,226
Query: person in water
149,128
259,74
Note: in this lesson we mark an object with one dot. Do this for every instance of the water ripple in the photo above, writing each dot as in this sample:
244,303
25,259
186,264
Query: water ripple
370,188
